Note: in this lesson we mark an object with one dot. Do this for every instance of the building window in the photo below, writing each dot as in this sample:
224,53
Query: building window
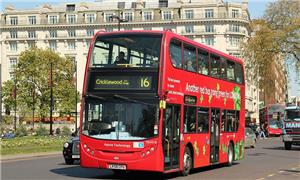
90,18
108,17
90,32
163,3
209,28
167,15
70,7
234,28
147,16
210,41
71,18
121,5
147,28
128,16
237,55
52,19
234,41
14,20
133,5
13,46
71,33
109,29
235,13
13,34
209,13
87,43
32,19
71,45
189,14
53,33
189,29
128,28
12,63
31,34
52,45
31,44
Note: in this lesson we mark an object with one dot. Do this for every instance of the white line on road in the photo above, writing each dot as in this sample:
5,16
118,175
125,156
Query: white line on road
29,158
270,175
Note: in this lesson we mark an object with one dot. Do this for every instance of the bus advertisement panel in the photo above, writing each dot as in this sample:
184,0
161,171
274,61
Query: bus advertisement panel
157,101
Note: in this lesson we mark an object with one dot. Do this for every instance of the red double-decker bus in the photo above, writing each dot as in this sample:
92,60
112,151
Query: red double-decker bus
271,117
157,101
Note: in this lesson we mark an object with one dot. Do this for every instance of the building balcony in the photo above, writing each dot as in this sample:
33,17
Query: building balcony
66,37
199,32
234,32
21,38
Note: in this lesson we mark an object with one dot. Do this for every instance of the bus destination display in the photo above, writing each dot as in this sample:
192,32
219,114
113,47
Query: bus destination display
123,82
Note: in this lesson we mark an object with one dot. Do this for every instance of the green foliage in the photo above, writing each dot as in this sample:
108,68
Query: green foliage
41,130
32,83
66,131
57,131
7,119
31,144
21,131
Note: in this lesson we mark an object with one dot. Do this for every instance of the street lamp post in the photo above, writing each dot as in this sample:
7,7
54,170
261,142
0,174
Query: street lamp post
75,71
51,98
119,20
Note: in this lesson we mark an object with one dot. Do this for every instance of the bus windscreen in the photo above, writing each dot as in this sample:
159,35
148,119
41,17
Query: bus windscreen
129,50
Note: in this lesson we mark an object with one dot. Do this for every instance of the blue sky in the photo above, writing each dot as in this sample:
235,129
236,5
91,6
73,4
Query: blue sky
256,9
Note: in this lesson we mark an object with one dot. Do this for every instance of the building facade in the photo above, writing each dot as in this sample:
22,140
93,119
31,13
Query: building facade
68,28
275,91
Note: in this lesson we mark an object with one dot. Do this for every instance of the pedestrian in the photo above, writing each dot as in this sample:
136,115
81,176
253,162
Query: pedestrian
262,132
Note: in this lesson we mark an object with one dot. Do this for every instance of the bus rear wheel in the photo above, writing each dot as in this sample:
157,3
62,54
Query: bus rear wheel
187,161
288,145
230,155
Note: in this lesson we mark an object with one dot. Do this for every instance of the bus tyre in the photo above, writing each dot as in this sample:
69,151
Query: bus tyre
288,145
230,155
187,162
69,161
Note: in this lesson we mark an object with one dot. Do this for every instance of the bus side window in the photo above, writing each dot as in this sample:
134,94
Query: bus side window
223,70
203,63
239,78
215,66
190,58
230,70
176,53
189,119
203,116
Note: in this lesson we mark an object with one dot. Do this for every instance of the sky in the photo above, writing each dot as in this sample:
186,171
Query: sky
256,10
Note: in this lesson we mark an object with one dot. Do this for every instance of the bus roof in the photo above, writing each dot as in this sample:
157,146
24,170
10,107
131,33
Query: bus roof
187,40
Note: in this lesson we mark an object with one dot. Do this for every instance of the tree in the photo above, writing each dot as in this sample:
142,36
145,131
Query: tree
283,17
274,37
32,76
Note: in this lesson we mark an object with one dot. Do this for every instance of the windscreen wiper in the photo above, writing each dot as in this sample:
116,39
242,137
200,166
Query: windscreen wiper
93,96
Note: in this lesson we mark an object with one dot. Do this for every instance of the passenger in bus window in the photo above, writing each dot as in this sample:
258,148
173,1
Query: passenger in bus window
120,59
189,66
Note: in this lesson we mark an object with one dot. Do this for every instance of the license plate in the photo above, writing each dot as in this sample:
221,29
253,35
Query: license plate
117,166
75,156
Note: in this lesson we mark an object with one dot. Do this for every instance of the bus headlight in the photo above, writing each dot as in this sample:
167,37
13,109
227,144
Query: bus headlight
66,145
287,137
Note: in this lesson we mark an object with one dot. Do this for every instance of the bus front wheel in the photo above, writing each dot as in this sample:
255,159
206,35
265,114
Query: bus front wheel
288,145
230,155
187,161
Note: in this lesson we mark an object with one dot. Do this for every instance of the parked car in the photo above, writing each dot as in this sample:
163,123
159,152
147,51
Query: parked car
71,150
250,138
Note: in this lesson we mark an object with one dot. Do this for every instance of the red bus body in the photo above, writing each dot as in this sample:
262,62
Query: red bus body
271,118
178,90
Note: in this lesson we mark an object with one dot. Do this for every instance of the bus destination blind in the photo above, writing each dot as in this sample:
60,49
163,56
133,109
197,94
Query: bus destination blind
123,83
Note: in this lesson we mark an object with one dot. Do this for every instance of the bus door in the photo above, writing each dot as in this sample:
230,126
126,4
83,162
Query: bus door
214,135
171,136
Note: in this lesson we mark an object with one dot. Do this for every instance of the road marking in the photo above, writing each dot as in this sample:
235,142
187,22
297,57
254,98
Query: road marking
280,171
29,158
294,168
270,175
260,179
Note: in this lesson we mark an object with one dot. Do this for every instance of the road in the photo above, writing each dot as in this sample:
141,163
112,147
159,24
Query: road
267,161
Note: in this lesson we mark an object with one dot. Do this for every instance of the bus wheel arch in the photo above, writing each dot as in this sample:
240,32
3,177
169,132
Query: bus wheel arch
230,153
188,159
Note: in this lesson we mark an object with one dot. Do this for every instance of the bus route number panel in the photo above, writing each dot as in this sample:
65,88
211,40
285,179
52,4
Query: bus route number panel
123,83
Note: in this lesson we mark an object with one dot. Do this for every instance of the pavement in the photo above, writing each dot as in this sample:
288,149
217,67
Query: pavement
29,156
